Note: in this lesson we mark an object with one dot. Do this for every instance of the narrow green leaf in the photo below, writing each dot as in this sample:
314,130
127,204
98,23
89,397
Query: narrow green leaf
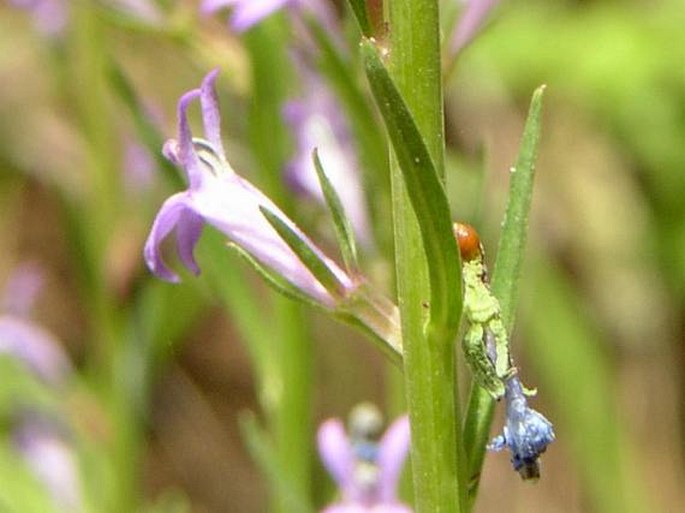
305,253
343,227
512,242
425,190
265,455
276,282
505,280
362,17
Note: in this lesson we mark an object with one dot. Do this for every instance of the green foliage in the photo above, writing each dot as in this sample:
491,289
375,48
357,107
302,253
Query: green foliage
426,193
342,225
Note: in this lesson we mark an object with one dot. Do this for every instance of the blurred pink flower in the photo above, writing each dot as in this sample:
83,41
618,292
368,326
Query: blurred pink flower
49,16
318,122
247,13
366,471
471,21
38,438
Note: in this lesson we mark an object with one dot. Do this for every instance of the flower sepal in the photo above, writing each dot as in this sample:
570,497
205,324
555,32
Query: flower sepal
342,224
313,261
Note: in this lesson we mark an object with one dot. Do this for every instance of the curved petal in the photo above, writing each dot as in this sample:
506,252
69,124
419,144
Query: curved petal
336,453
188,231
186,155
167,219
392,452
211,118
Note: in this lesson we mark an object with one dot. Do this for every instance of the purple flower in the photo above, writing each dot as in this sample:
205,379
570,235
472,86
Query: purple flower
38,439
318,122
51,458
49,16
472,18
25,340
247,13
526,432
365,469
218,196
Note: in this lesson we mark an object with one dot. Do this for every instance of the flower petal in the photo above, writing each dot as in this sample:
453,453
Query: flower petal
248,13
167,219
470,22
231,204
188,231
185,152
211,117
35,347
392,452
336,453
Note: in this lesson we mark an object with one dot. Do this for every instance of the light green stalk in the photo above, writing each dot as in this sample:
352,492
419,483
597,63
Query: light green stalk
429,355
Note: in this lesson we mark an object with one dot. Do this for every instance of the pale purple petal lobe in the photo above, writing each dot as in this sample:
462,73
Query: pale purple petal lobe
336,452
392,452
188,231
472,19
34,347
186,152
166,220
211,117
248,13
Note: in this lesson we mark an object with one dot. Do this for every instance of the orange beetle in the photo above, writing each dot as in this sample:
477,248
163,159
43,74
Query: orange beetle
469,241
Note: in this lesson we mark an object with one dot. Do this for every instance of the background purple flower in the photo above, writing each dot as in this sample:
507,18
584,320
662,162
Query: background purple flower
51,458
23,339
318,122
49,16
470,22
36,437
247,13
365,469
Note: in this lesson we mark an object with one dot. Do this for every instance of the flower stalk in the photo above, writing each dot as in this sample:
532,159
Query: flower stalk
429,356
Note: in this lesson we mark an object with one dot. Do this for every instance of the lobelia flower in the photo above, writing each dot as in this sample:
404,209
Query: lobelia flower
318,122
49,16
247,13
218,196
50,457
365,468
472,18
36,437
24,340
526,432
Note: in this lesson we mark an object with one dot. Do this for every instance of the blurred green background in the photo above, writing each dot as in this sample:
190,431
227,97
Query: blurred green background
601,322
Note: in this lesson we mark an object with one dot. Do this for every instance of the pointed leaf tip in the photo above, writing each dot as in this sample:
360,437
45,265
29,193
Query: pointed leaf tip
343,227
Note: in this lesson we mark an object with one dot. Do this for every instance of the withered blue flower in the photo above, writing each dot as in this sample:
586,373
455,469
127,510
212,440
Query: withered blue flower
526,432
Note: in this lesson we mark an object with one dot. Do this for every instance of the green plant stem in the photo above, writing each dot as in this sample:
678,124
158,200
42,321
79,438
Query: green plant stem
92,220
292,419
429,363
289,369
